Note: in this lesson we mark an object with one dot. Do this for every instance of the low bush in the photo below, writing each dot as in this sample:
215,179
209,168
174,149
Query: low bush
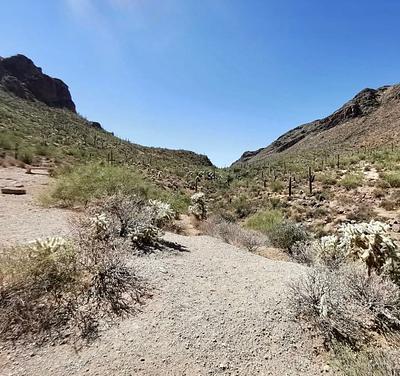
55,288
351,181
234,234
362,214
346,305
392,178
242,207
133,218
327,179
277,186
265,221
286,235
82,184
369,361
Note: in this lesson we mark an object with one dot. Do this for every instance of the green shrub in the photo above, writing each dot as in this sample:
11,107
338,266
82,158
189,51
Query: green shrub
6,142
265,221
327,179
26,156
277,186
351,181
82,184
286,234
392,178
242,207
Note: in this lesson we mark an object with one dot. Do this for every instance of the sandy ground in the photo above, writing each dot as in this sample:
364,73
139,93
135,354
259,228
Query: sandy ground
216,310
21,218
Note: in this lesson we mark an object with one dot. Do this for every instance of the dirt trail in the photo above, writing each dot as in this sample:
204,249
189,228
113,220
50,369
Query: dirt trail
216,310
21,218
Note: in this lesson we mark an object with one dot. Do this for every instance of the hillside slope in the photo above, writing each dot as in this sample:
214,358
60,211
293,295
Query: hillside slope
371,118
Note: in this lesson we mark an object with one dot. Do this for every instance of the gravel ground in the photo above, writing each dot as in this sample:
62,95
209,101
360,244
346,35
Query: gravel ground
21,219
216,310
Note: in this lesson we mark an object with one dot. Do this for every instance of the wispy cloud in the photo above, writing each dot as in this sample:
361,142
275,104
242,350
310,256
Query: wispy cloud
88,14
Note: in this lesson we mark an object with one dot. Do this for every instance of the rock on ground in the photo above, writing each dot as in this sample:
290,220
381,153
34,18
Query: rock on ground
21,218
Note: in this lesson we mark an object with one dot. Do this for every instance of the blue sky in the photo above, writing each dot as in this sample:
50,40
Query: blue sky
215,76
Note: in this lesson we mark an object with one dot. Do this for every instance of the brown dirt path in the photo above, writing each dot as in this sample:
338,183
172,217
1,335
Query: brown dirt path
22,219
216,310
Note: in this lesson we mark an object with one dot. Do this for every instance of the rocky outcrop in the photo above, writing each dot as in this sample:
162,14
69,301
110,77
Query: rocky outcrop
358,119
20,76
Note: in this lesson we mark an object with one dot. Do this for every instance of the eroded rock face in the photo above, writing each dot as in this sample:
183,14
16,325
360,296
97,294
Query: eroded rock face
23,78
362,106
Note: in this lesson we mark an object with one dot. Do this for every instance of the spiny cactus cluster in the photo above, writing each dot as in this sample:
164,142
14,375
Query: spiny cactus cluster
367,242
99,224
198,207
163,211
130,218
371,243
49,245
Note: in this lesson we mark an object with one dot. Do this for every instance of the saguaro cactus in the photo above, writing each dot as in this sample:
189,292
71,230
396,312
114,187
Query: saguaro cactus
311,179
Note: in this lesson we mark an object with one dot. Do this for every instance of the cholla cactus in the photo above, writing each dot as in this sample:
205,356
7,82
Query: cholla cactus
163,211
99,224
371,243
142,233
48,245
198,207
328,251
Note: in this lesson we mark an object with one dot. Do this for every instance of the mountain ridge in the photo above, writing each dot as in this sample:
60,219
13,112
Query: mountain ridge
343,127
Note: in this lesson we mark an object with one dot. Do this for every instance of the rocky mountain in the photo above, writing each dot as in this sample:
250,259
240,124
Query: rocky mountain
371,118
20,76
34,124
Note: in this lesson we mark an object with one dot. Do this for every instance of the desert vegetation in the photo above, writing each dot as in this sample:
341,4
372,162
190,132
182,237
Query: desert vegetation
58,288
334,211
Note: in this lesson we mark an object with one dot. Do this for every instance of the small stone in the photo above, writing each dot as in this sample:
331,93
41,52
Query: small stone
13,191
396,228
326,368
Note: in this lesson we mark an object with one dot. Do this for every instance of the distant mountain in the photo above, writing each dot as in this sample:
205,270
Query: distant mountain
371,118
38,118
20,76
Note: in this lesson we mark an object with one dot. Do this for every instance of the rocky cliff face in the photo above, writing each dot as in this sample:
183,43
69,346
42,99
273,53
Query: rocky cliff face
20,76
371,117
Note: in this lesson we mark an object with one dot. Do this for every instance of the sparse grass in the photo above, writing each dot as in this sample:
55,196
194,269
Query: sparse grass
233,233
351,181
265,221
369,361
327,178
392,178
277,186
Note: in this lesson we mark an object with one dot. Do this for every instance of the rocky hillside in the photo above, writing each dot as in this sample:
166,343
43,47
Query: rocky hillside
20,76
371,118
39,124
